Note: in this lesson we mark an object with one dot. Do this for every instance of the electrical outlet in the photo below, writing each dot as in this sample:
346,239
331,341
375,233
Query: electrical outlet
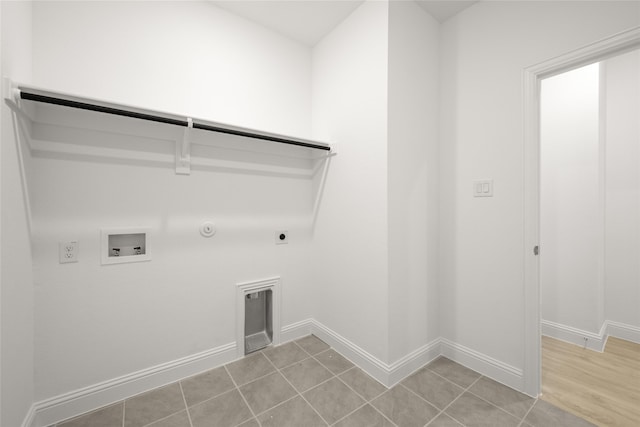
282,237
68,252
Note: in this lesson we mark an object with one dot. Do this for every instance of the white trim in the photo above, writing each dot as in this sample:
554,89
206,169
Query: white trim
387,374
296,330
602,194
242,289
532,351
68,405
30,417
623,331
71,404
575,336
483,364
596,342
611,46
405,366
360,357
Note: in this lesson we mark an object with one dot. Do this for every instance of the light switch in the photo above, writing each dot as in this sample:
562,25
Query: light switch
483,188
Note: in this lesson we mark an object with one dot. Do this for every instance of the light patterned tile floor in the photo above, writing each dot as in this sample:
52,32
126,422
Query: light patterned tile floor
305,383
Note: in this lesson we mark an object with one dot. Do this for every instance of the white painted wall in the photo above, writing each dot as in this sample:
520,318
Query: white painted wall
571,223
484,50
351,230
179,56
186,57
412,178
622,298
259,79
16,278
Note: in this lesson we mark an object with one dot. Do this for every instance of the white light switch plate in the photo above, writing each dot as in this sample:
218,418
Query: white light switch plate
483,188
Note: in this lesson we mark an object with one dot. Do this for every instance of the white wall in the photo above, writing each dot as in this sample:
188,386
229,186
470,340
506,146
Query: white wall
351,231
185,57
484,50
16,278
622,297
412,178
182,56
571,223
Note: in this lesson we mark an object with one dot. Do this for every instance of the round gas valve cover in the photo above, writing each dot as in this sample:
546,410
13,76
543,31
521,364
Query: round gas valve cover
207,229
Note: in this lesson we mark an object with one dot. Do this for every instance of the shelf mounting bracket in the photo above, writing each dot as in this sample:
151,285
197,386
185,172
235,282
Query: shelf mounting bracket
183,150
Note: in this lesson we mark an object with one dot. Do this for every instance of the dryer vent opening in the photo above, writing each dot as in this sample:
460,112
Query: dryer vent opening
258,320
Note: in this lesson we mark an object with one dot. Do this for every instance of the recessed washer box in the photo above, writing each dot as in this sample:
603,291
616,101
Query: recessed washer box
126,244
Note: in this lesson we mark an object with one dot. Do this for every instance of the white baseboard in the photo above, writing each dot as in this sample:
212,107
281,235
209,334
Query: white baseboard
623,331
365,361
67,405
296,330
387,374
30,418
596,342
575,336
56,409
483,364
405,366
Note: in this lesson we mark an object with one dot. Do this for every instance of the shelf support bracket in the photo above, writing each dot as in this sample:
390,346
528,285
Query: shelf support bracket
183,151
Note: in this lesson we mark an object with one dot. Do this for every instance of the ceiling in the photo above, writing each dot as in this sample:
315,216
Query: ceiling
308,21
444,9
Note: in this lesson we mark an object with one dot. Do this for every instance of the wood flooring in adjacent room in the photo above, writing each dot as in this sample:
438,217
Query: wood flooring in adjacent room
603,388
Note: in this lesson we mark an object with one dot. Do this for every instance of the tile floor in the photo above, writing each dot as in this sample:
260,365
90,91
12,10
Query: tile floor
305,383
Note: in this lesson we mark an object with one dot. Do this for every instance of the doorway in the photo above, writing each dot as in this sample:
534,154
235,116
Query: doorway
590,235
612,46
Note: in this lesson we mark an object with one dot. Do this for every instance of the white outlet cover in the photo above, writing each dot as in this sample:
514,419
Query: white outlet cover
279,237
68,252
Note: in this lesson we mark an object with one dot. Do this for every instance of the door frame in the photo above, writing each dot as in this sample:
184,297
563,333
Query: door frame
532,77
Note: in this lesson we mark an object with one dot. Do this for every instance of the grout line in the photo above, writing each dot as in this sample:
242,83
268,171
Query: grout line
454,383
468,389
419,397
352,412
279,404
300,347
493,404
124,406
184,399
366,401
380,412
186,409
464,390
242,395
308,352
290,364
212,397
161,419
527,414
300,394
253,380
319,384
327,368
352,389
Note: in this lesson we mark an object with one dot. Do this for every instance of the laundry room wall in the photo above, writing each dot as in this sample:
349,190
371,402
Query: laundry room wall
413,178
16,277
97,322
350,240
485,49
